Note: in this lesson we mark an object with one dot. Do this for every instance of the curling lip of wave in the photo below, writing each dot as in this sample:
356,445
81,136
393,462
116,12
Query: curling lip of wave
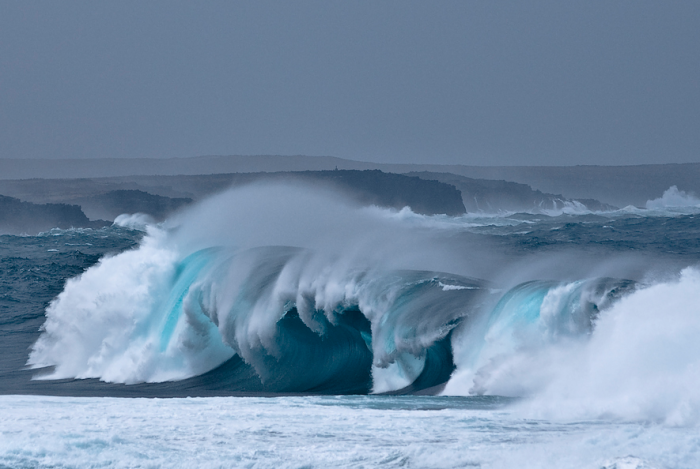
265,329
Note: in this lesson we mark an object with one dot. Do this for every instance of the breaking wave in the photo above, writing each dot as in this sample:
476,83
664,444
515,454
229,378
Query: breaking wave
640,363
281,289
674,199
230,296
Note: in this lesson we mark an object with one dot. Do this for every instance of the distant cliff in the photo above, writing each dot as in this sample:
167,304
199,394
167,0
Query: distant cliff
369,187
484,195
619,185
104,197
374,187
17,217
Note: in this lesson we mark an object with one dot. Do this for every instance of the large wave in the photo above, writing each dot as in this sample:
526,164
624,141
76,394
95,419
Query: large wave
219,290
277,288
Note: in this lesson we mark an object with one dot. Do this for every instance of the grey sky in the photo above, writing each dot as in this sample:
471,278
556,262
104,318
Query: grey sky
473,82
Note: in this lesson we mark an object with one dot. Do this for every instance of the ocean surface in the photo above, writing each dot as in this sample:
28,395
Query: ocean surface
279,326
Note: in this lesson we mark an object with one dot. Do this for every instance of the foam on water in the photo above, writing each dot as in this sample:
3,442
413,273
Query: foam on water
611,351
206,289
641,363
342,432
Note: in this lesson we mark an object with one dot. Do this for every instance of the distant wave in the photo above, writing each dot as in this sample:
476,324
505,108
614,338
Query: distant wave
134,221
673,198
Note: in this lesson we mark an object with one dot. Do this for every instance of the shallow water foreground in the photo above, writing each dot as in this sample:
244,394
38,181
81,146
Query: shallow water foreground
295,432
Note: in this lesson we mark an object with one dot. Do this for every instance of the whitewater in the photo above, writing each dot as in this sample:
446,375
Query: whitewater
555,338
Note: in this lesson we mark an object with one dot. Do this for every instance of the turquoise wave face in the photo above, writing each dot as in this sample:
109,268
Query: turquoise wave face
306,342
283,319
273,319
263,320
529,319
186,274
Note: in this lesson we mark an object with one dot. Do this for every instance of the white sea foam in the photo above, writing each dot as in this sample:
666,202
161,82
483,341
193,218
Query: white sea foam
101,325
567,207
343,432
641,361
674,202
409,218
446,287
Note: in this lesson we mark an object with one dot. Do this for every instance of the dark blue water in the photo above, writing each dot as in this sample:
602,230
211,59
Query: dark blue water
33,271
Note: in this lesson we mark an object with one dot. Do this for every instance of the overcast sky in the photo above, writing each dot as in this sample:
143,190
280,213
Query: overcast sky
473,82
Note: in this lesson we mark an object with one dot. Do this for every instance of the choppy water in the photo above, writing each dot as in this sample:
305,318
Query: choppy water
565,339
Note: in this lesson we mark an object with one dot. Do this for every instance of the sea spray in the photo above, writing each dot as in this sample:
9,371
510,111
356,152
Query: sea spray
642,361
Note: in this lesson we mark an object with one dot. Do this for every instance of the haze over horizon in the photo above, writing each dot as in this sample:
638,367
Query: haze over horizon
386,82
323,161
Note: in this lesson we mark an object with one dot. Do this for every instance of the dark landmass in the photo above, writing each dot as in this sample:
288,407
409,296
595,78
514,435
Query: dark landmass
485,195
374,187
159,195
17,217
617,185
111,204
